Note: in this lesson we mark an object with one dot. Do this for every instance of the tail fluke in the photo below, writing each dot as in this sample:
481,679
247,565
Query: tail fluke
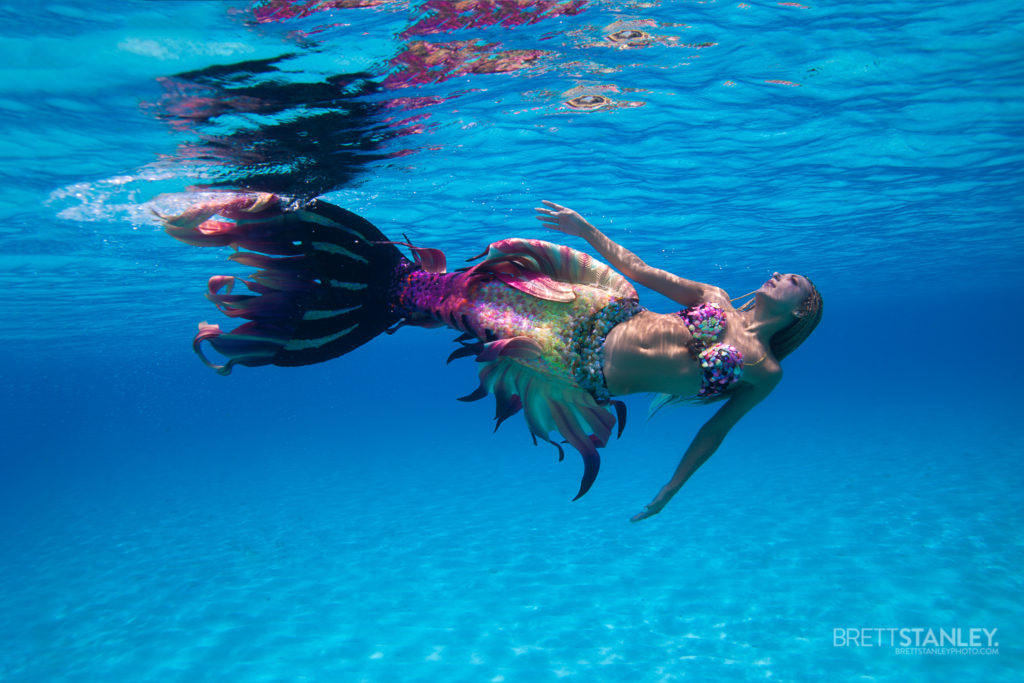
321,288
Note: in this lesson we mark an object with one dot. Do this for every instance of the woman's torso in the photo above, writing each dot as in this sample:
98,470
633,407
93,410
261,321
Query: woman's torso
651,352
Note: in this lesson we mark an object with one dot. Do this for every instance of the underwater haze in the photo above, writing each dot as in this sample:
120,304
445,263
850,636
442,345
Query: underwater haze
352,521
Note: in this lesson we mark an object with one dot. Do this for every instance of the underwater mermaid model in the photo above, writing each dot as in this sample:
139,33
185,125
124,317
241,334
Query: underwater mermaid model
557,334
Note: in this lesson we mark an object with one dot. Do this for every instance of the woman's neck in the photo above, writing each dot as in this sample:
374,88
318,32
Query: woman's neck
763,323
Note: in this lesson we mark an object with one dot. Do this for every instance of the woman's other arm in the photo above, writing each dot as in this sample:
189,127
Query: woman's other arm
707,441
680,290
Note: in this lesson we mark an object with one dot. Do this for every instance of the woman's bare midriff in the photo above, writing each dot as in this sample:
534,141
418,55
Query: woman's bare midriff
648,353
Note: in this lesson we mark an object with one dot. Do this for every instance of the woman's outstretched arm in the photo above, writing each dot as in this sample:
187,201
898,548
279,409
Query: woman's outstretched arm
707,441
680,290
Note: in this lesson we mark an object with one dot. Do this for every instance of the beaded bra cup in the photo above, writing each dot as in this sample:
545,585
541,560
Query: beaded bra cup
721,364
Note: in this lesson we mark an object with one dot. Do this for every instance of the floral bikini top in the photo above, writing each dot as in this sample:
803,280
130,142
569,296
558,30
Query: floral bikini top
721,364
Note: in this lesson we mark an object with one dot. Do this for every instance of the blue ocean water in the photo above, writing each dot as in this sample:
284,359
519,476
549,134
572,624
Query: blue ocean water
351,521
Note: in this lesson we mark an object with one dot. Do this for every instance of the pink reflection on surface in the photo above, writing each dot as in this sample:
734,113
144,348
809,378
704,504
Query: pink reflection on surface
443,16
424,62
281,10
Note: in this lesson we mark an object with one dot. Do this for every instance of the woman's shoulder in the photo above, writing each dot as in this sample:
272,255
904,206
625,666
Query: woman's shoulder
717,295
764,375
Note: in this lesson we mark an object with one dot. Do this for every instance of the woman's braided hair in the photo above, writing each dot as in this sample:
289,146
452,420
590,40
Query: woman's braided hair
808,315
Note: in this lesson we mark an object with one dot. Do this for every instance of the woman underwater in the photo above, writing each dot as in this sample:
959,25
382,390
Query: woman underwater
557,334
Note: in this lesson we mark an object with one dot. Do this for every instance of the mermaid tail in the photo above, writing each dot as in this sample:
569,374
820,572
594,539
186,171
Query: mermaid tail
329,281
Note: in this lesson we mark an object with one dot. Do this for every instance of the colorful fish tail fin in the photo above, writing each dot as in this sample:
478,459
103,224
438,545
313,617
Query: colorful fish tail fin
548,271
548,404
321,288
512,368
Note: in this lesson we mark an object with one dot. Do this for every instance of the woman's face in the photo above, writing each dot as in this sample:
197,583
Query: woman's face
787,291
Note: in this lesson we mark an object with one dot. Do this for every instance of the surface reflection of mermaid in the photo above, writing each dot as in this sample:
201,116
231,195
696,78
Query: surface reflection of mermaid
425,62
557,334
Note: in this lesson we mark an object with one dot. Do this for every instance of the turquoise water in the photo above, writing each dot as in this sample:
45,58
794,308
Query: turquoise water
351,521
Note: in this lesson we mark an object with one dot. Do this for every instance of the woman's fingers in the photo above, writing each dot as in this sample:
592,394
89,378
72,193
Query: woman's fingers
547,216
653,508
553,209
551,224
643,515
559,217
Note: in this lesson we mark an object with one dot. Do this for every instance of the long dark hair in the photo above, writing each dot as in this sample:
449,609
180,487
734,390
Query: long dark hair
808,315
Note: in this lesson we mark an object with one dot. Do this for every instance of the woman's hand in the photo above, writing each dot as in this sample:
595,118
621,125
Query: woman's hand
564,220
656,505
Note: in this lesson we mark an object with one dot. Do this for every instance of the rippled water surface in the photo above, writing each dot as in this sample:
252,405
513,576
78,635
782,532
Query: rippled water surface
351,521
